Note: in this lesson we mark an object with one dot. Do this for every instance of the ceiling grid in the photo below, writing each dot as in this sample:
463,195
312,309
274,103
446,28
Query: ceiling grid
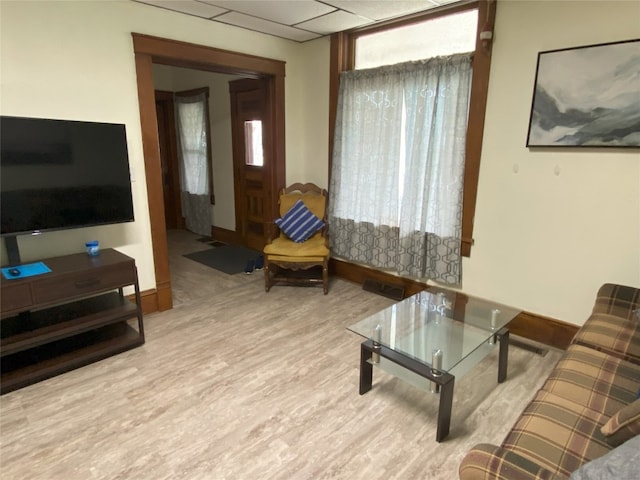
297,20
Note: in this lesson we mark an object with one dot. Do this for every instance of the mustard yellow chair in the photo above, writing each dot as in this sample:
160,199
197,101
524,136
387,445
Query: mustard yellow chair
288,257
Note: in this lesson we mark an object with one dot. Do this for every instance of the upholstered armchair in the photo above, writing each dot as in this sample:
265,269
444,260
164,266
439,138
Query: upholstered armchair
297,248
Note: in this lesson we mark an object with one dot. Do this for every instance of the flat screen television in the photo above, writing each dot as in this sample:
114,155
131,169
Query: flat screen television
62,174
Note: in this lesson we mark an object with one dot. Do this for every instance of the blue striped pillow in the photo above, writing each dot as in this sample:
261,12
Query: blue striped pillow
299,223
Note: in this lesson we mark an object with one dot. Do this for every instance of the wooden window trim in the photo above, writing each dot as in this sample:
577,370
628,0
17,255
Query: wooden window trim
342,57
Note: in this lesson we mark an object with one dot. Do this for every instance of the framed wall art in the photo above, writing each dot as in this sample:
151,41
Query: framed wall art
587,97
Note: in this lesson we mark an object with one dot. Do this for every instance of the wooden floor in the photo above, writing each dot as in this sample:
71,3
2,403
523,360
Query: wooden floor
235,383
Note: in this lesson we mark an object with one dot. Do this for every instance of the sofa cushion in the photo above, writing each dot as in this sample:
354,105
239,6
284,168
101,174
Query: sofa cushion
623,425
312,250
299,223
621,463
594,379
558,434
485,461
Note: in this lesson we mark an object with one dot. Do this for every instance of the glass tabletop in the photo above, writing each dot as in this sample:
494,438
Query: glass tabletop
451,323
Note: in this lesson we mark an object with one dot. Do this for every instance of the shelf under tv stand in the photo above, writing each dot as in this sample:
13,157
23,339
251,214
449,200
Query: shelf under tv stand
72,316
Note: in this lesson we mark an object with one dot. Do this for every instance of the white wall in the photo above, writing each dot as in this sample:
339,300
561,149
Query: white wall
308,160
74,60
545,242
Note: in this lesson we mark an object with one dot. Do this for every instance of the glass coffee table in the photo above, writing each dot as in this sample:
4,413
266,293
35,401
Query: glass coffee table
431,338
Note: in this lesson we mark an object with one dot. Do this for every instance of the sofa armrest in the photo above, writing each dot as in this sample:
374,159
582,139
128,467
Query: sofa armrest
490,462
614,325
618,300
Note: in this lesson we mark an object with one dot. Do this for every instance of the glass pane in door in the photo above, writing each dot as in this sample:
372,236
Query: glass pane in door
253,143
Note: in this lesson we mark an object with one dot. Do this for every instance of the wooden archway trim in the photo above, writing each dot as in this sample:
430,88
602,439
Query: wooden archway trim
191,55
149,50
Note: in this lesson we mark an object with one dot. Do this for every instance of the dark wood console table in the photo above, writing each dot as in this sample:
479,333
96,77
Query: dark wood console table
72,316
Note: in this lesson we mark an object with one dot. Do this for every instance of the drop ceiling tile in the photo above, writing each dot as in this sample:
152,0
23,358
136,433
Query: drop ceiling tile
265,26
334,22
384,9
311,18
190,7
287,12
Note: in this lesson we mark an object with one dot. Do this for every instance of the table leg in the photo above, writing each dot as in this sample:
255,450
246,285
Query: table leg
444,380
503,358
444,410
366,370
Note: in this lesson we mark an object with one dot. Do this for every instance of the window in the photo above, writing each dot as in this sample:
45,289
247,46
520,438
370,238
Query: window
192,129
254,155
362,49
433,37
194,151
398,162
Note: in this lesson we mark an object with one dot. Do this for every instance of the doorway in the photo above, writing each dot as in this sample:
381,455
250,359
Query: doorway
250,136
149,50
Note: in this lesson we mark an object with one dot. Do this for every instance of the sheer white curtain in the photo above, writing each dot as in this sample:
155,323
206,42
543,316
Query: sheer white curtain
398,165
192,127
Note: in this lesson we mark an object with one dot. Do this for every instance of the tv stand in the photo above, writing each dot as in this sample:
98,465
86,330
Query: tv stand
75,315
13,251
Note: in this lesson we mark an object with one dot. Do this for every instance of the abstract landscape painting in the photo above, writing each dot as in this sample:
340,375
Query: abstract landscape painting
587,97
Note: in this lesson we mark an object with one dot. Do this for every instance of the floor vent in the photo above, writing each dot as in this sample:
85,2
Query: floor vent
527,346
389,290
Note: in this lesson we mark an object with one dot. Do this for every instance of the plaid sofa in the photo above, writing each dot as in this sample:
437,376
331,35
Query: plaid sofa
587,406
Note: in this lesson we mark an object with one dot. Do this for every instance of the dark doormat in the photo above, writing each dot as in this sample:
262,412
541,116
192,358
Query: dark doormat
227,258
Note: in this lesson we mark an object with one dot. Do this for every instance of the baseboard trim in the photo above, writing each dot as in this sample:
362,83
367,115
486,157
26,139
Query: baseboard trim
359,273
549,331
148,300
546,330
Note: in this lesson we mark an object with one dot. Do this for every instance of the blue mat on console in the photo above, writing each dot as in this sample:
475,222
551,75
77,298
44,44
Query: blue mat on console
26,270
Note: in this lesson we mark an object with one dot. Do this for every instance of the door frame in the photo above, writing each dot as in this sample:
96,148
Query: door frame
149,50
165,99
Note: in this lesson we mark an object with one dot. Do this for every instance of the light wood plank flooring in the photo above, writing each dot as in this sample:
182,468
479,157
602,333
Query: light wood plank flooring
234,383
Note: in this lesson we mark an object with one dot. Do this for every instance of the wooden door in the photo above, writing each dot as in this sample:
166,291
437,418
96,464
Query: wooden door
169,160
251,134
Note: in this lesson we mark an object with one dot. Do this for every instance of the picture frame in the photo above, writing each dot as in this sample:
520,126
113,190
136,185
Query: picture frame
587,96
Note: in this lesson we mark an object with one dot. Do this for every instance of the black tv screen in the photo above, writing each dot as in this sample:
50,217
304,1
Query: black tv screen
59,174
